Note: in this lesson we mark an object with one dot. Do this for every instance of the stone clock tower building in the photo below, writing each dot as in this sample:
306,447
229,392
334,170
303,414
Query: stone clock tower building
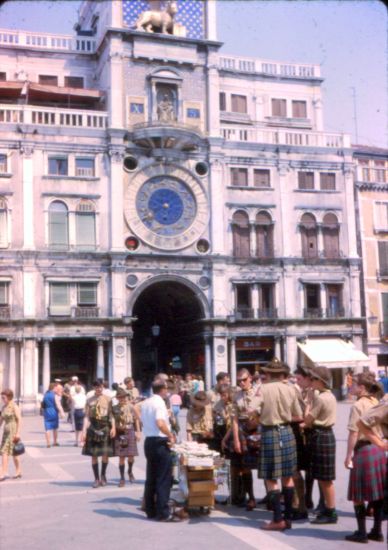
164,207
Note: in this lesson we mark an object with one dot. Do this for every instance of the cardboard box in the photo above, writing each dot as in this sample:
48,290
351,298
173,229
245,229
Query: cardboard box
201,500
199,475
206,487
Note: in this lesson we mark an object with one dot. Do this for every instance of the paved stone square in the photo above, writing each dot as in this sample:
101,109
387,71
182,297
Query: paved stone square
54,507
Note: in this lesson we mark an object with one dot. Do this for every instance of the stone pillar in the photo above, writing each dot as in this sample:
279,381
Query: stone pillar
100,359
349,215
252,239
115,91
46,365
278,348
116,197
291,351
208,363
213,89
323,298
255,303
233,362
220,355
26,152
216,223
320,245
211,20
12,366
129,357
28,378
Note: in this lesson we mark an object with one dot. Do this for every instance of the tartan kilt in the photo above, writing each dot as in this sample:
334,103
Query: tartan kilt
278,452
130,449
301,451
98,448
368,476
322,446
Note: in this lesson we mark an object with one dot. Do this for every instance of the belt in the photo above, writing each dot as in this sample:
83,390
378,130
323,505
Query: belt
264,427
360,444
322,428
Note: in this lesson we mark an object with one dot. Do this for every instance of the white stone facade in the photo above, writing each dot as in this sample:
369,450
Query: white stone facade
86,270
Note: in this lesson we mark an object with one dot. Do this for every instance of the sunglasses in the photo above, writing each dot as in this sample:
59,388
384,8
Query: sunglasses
242,380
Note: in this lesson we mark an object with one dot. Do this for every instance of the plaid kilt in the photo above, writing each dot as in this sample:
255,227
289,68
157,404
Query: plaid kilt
303,459
278,452
98,448
368,476
322,447
131,448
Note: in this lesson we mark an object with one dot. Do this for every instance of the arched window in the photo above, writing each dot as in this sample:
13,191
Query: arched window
58,225
309,233
330,231
264,235
85,225
240,230
3,223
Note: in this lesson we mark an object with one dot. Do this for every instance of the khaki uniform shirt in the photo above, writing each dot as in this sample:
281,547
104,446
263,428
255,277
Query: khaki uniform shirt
223,410
133,394
199,421
278,404
124,416
360,407
377,417
99,408
324,409
245,403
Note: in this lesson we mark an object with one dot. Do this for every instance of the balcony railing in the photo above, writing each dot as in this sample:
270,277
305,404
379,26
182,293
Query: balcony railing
267,313
302,138
47,116
384,330
5,312
81,312
264,66
244,313
333,313
46,41
78,312
313,313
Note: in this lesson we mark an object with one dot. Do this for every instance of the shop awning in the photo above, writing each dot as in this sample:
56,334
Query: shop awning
333,353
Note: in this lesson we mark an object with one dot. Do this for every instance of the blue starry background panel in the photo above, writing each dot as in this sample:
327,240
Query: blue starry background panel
191,14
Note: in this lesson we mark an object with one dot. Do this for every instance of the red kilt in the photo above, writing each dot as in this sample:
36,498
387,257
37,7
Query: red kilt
125,443
368,475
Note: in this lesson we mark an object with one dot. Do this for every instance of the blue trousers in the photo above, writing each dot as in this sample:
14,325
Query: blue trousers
158,477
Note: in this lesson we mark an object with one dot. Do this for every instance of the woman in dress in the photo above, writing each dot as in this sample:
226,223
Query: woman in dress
367,461
10,416
78,407
98,432
52,409
127,423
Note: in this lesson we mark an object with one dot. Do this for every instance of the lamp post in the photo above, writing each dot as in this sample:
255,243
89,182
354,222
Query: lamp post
155,331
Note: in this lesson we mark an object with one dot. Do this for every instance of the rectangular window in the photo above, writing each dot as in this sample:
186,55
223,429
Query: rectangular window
193,113
305,180
85,230
266,300
365,174
59,299
383,258
381,216
261,178
243,302
3,226
239,103
334,301
4,293
312,301
87,294
239,177
279,107
137,108
222,101
48,80
327,181
299,109
380,175
3,164
84,167
58,166
74,81
3,77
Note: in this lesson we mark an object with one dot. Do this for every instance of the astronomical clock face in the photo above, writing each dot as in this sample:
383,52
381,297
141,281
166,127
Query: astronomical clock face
166,207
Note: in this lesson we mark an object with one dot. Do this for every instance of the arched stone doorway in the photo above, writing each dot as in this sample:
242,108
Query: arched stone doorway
168,335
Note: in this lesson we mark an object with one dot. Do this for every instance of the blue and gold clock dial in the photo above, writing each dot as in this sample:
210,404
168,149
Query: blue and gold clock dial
166,205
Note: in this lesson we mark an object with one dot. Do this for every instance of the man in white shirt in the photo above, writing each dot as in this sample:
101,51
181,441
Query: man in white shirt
158,439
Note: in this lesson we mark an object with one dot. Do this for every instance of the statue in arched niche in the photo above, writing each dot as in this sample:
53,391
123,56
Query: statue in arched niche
166,107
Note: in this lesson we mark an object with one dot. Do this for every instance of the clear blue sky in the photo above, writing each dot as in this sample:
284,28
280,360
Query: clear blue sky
348,38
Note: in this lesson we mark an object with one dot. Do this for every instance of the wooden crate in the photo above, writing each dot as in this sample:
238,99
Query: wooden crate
199,474
201,500
202,487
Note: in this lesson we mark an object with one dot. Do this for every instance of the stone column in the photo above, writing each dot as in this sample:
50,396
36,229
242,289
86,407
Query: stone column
323,298
46,365
255,303
129,356
278,348
233,362
28,379
116,195
217,201
252,239
116,89
100,359
12,366
208,363
26,152
320,245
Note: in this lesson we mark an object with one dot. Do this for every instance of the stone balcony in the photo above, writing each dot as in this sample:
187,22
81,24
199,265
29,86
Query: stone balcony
52,116
269,67
161,135
46,41
283,136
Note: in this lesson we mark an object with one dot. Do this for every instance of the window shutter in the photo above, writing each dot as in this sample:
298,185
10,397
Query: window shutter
327,181
261,178
86,230
383,257
299,109
240,231
222,101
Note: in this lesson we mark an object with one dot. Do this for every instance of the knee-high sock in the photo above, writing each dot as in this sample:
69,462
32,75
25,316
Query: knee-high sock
377,515
360,511
121,469
288,493
95,471
104,466
274,499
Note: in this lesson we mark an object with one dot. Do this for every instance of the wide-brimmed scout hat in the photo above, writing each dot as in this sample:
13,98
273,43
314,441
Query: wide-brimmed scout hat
200,398
276,367
301,369
321,373
121,392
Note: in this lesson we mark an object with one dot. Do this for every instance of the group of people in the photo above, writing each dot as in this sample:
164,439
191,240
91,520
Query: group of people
277,424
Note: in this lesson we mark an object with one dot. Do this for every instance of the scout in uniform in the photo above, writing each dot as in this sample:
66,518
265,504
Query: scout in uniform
127,434
199,420
322,445
244,442
132,391
278,407
222,416
98,432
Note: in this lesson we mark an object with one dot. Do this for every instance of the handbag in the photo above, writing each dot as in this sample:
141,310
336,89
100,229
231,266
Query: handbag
123,441
97,436
18,448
